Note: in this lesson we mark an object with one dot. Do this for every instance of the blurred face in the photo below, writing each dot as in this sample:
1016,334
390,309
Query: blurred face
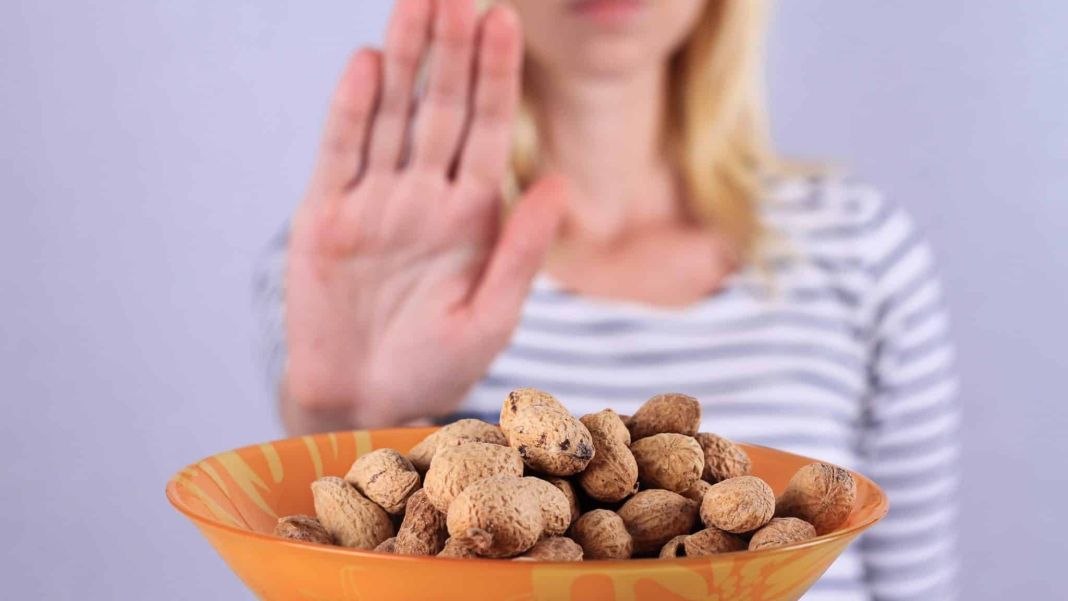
605,38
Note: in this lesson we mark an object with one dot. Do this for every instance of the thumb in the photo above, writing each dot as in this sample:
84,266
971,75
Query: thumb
520,252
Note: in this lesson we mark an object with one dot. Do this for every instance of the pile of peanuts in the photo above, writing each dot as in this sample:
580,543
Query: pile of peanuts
546,486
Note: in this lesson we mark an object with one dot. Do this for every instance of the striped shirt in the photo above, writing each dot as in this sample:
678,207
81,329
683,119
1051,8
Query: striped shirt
839,351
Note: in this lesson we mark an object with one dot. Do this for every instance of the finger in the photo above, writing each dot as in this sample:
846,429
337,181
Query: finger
348,121
520,252
443,111
406,40
488,144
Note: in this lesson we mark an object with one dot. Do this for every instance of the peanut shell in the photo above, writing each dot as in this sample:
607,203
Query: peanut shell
669,461
503,506
696,493
603,535
612,474
553,548
709,541
821,494
672,412
387,546
738,505
471,543
303,528
524,398
653,517
550,440
423,530
349,517
607,425
781,532
723,458
465,429
461,463
564,485
385,477
553,503
673,548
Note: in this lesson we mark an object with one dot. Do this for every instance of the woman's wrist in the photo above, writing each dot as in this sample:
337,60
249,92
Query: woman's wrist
312,413
309,407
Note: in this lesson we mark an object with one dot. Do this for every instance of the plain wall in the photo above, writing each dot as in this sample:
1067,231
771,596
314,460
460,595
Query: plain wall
148,149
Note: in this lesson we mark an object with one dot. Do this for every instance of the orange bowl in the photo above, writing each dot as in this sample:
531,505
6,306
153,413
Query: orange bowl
235,498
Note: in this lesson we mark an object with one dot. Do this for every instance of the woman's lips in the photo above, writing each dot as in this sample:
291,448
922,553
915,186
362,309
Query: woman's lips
607,11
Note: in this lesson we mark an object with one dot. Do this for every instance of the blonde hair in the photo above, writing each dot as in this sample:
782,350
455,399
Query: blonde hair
717,127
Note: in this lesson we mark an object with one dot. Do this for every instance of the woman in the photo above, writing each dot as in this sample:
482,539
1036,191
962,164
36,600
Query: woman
653,244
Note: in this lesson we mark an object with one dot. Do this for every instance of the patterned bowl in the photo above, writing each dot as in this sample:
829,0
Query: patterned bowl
235,497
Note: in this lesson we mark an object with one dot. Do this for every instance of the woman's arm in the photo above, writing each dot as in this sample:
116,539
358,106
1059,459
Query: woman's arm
400,283
912,434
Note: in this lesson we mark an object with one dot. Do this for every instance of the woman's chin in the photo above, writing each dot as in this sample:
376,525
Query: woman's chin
610,59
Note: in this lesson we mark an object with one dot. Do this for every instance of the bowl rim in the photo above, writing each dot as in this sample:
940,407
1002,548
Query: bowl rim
882,507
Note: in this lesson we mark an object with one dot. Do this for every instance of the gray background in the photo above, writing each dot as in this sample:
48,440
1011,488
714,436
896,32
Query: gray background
149,148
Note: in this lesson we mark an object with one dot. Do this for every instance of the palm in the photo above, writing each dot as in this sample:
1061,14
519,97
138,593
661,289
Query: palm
400,290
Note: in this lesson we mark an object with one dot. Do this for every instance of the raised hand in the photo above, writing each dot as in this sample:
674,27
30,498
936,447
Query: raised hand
402,285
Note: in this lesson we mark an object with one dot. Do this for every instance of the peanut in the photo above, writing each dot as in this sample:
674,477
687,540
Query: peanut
549,439
653,517
781,532
470,543
738,505
521,399
554,548
603,535
564,485
669,461
511,510
465,429
349,517
821,494
723,458
385,477
674,413
461,463
673,548
612,474
423,530
554,505
709,541
696,493
303,528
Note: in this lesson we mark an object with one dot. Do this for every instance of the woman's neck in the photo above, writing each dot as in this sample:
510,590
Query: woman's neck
607,136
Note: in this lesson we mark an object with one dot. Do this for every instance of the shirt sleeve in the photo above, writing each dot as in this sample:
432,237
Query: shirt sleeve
911,436
268,300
